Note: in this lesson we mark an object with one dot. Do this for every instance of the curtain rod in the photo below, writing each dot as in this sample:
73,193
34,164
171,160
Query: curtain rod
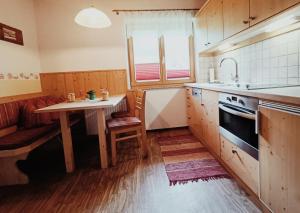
150,10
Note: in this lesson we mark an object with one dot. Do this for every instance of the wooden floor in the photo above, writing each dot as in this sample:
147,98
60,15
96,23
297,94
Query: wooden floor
134,185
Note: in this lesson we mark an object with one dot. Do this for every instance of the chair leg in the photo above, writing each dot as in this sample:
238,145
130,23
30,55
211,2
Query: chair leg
113,149
144,143
140,142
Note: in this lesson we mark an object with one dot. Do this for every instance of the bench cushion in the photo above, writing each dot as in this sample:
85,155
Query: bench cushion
123,122
9,114
25,137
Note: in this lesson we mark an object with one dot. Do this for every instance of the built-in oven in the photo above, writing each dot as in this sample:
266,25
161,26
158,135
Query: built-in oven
239,121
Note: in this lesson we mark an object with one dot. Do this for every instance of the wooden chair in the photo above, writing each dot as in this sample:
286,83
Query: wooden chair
134,127
130,102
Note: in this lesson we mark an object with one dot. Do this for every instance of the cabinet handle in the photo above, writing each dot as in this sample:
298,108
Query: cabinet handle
257,117
252,18
246,22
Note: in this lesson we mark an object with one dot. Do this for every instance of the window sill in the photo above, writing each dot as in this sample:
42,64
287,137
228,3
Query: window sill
153,85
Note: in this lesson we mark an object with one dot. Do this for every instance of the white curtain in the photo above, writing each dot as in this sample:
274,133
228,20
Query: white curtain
159,22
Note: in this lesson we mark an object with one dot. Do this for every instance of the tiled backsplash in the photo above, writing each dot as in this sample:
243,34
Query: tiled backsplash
272,61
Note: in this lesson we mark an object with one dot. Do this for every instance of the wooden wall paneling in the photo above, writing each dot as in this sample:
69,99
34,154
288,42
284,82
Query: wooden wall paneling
79,84
103,79
60,84
117,82
69,84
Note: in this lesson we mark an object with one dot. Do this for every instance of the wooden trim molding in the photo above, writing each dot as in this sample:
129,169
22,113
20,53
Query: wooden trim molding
20,97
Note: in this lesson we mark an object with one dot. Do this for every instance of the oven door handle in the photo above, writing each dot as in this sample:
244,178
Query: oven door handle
234,112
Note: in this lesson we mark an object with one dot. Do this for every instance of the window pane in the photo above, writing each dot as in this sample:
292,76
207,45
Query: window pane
177,56
146,56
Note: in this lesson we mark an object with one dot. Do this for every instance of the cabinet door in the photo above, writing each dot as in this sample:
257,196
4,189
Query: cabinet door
214,19
211,108
279,160
201,30
188,106
194,114
236,16
241,163
261,10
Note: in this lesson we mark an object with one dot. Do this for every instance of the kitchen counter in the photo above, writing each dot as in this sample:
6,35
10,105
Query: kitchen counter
286,95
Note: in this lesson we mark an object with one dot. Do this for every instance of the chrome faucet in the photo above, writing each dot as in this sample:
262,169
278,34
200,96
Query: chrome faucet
236,77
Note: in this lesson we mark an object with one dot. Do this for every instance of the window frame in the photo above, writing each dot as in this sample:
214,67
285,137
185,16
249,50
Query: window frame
163,82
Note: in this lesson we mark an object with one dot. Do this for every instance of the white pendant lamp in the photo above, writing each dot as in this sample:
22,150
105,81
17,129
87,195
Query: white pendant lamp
92,18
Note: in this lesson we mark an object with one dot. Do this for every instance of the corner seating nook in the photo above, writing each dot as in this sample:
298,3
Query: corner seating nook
21,131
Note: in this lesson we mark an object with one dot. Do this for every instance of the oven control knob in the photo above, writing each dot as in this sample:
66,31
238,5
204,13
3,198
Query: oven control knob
228,99
241,102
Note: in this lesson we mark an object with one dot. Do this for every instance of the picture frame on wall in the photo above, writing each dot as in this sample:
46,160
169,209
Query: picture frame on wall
11,34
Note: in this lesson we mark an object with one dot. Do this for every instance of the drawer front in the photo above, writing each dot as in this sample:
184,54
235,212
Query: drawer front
242,164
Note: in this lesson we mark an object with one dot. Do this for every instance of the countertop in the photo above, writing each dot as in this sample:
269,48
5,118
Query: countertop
286,95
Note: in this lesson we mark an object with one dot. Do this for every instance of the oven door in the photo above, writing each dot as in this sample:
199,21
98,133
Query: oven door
239,126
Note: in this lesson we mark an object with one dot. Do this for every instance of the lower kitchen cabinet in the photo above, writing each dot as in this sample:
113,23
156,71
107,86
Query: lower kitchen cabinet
210,104
280,159
203,117
241,163
195,114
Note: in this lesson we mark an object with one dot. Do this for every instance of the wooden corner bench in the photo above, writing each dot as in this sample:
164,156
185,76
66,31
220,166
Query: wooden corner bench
16,141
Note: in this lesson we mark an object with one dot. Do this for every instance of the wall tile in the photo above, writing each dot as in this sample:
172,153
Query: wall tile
293,72
293,60
275,60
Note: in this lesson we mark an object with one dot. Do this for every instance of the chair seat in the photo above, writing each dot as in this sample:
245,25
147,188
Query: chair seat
123,122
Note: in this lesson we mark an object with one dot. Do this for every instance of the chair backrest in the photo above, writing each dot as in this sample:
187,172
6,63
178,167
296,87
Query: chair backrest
140,99
130,102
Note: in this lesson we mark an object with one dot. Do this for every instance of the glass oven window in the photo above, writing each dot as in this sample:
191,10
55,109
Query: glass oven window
241,127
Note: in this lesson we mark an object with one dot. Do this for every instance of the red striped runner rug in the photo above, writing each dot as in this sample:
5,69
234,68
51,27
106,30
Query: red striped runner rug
186,159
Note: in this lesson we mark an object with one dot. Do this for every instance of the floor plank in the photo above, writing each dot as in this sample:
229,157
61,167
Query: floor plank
134,185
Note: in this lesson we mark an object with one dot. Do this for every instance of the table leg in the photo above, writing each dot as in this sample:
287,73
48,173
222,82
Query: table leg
102,138
67,142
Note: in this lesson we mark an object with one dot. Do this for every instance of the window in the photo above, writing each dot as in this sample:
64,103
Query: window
146,57
160,49
177,57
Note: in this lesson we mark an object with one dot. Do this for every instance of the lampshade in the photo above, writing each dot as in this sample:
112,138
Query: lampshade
92,18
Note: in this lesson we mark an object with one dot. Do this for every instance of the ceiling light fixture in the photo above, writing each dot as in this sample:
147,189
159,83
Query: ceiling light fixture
282,23
92,18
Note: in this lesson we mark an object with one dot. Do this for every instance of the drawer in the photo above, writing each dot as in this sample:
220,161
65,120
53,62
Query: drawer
241,163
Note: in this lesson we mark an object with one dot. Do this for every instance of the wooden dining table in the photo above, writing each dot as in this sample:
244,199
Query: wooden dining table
97,105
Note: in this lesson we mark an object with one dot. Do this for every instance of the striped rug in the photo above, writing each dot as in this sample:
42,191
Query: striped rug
186,159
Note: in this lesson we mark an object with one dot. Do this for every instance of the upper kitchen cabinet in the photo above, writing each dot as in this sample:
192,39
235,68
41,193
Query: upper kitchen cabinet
210,24
236,16
201,30
214,21
261,10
